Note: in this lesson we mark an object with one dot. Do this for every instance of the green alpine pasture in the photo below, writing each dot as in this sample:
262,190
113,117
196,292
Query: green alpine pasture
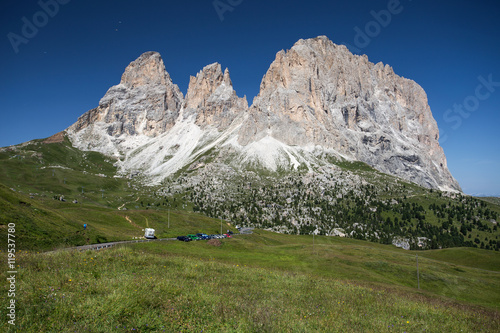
263,282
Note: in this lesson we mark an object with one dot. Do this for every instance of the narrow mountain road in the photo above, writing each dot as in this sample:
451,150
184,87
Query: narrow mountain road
243,231
110,244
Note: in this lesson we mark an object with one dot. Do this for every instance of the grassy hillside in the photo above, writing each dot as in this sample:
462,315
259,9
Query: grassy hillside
263,282
351,198
58,169
35,176
493,200
44,223
466,257
377,264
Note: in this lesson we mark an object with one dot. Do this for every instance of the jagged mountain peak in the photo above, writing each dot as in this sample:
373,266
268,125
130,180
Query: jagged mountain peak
227,78
203,85
316,97
145,102
212,98
148,69
320,94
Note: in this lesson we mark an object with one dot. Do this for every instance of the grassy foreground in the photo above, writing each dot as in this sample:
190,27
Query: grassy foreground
257,283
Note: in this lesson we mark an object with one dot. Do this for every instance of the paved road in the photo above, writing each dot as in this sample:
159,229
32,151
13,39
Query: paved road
243,231
111,244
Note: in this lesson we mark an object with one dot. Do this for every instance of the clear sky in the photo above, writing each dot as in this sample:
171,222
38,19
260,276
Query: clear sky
57,61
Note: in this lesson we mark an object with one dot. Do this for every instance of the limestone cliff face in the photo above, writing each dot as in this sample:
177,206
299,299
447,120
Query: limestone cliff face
212,98
319,93
145,102
315,97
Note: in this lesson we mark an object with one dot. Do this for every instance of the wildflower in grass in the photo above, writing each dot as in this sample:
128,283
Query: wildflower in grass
69,280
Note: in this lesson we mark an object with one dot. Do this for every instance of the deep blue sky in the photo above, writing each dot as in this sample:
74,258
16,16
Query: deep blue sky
63,69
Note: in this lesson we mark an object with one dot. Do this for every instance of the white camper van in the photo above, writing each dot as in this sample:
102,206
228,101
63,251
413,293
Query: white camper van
149,233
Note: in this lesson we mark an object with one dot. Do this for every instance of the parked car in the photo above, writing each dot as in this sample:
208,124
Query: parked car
184,238
202,236
193,237
228,235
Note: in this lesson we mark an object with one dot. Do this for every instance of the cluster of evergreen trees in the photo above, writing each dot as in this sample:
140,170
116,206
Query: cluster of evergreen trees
301,205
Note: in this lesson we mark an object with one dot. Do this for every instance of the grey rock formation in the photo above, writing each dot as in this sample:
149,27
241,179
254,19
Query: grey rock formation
319,93
315,97
212,98
145,102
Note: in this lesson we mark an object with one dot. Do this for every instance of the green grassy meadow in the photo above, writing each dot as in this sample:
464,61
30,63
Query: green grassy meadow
263,282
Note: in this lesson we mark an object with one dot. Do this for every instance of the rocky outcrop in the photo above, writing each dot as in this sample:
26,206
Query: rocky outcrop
320,94
146,102
56,138
315,97
212,98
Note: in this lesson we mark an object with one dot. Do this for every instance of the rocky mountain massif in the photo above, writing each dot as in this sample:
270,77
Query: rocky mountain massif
317,102
332,145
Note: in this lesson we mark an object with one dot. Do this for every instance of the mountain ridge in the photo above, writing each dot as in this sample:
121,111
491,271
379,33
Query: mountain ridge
316,97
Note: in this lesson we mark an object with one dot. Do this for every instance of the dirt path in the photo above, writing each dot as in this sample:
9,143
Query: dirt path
120,208
132,222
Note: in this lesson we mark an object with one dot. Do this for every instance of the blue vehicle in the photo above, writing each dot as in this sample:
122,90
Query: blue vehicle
202,236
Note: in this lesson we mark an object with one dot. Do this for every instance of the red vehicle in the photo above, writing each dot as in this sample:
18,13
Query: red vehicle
228,235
